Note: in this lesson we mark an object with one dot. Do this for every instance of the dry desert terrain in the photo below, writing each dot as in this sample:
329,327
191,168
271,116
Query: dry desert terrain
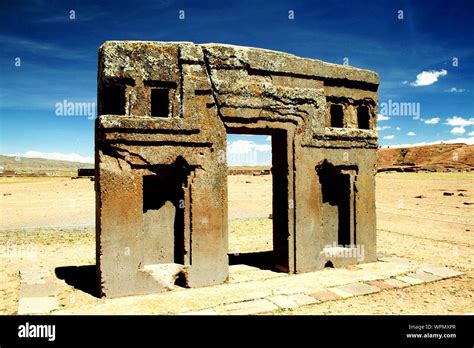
427,217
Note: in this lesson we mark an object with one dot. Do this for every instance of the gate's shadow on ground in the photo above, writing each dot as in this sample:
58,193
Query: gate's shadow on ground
262,260
84,277
80,277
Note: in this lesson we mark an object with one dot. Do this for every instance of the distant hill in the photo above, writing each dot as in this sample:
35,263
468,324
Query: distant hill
40,166
430,157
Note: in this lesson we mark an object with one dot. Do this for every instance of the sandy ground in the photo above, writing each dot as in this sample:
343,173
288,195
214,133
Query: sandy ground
48,222
436,229
30,203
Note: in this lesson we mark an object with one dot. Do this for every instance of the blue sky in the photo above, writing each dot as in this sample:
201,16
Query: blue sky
425,58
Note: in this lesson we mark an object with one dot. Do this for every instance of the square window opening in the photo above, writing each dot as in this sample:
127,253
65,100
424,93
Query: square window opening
363,117
160,102
337,116
113,100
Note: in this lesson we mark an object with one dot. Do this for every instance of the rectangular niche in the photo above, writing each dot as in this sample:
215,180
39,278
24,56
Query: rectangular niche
338,204
163,219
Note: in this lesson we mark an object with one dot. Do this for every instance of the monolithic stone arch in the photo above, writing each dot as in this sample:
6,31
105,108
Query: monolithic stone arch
161,189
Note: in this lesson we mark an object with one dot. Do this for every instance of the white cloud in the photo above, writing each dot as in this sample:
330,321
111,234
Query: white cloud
70,157
458,124
455,90
389,137
457,121
411,134
426,78
458,130
398,128
383,128
269,138
467,141
434,120
405,82
246,146
381,117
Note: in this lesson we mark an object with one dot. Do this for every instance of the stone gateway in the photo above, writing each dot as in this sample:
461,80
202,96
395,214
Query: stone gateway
165,109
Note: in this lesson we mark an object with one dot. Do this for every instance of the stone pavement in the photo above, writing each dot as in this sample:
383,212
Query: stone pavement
251,290
37,292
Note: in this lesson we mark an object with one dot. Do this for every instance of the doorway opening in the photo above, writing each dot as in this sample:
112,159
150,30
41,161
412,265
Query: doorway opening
258,198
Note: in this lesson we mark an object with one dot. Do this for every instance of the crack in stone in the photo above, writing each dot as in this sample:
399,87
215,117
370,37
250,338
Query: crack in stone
209,76
110,150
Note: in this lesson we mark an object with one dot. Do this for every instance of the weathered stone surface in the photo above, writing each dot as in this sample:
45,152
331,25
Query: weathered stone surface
383,284
396,283
442,272
253,276
248,307
356,289
341,293
210,300
37,290
304,299
284,302
292,301
410,280
37,305
165,109
424,276
326,295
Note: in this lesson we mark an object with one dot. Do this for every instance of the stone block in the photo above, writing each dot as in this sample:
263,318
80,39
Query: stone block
165,109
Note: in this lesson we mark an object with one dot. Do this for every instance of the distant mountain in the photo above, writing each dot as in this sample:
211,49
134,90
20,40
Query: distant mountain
430,157
440,156
39,166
